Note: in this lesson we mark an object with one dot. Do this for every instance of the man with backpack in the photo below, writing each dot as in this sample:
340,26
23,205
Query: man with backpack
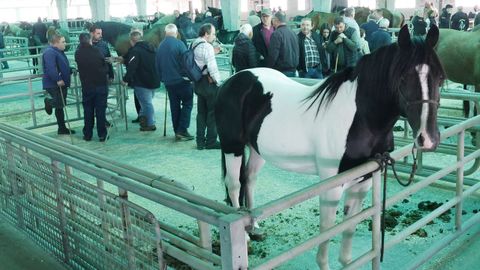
180,92
206,88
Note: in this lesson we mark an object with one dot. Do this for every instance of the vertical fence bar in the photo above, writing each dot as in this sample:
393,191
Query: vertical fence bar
12,175
105,225
233,244
459,186
376,218
61,210
126,224
32,102
73,212
205,235
77,93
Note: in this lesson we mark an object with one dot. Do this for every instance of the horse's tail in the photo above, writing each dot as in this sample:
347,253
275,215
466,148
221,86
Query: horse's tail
243,181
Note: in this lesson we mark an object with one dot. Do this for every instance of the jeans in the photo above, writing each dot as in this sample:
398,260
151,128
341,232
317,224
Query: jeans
94,100
145,97
206,95
56,97
313,73
181,103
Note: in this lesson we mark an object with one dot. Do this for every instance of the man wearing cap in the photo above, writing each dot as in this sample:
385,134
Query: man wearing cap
262,33
445,16
142,77
283,52
343,45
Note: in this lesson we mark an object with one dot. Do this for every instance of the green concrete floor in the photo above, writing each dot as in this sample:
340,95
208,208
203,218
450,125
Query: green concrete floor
18,252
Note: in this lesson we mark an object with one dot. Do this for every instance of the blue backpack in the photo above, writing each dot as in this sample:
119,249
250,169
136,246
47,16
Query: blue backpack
188,65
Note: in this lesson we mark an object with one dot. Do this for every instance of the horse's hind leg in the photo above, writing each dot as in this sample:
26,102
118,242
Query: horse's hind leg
328,208
233,165
254,164
353,205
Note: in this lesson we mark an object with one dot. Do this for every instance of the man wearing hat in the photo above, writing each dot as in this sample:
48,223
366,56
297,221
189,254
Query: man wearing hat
262,33
445,16
283,54
142,77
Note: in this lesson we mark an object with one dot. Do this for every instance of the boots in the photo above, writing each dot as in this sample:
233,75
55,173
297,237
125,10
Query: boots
62,129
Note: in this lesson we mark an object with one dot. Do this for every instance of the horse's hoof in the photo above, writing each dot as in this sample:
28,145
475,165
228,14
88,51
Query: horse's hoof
256,234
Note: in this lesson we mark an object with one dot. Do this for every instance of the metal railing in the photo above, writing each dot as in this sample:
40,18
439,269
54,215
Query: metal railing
62,196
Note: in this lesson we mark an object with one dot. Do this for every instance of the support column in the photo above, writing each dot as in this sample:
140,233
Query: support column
100,10
231,14
141,7
62,13
321,5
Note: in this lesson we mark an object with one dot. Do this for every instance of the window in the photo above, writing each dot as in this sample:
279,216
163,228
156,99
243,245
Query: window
466,3
244,6
301,4
275,4
405,4
372,4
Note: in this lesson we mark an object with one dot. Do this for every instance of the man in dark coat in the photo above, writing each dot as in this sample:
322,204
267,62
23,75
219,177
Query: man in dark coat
244,55
142,77
96,33
262,33
343,45
381,37
460,20
56,80
93,75
180,91
39,31
445,16
311,52
283,52
372,25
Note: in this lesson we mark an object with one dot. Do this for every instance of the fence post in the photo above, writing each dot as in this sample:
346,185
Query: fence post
376,218
459,184
105,226
14,185
126,224
233,243
61,210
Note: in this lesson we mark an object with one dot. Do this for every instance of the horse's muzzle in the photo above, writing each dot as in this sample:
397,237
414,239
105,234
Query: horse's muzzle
427,142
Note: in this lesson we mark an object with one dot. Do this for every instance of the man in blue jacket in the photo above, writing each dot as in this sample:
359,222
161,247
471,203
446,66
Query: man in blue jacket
180,91
56,80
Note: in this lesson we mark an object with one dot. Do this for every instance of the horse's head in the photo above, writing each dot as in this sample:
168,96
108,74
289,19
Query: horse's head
421,75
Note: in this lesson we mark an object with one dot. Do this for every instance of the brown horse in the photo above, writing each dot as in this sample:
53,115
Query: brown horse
396,18
459,53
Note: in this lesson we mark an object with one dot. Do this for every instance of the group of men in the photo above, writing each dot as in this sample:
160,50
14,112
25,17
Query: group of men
307,53
460,19
146,67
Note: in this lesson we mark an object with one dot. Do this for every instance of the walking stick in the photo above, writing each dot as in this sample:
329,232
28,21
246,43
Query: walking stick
66,114
165,115
336,63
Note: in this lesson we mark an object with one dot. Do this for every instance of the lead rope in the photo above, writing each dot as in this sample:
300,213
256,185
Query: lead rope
383,161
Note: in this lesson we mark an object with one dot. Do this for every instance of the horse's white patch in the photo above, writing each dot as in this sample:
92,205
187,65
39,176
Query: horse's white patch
294,138
422,71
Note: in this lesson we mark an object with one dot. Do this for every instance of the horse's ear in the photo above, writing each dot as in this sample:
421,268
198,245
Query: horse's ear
404,38
432,36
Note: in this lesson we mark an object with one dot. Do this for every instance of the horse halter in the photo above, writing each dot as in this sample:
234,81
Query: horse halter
419,101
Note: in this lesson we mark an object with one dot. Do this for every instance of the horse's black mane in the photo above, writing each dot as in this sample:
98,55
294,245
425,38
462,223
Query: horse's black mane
378,74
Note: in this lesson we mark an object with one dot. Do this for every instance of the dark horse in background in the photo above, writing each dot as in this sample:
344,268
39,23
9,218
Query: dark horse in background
459,53
396,18
330,127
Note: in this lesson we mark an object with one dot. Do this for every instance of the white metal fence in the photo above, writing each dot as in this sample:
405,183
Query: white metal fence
77,205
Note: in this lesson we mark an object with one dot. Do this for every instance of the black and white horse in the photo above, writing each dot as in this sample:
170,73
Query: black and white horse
330,127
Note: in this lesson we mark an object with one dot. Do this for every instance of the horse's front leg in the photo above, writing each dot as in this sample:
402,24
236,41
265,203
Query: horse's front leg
328,208
353,205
